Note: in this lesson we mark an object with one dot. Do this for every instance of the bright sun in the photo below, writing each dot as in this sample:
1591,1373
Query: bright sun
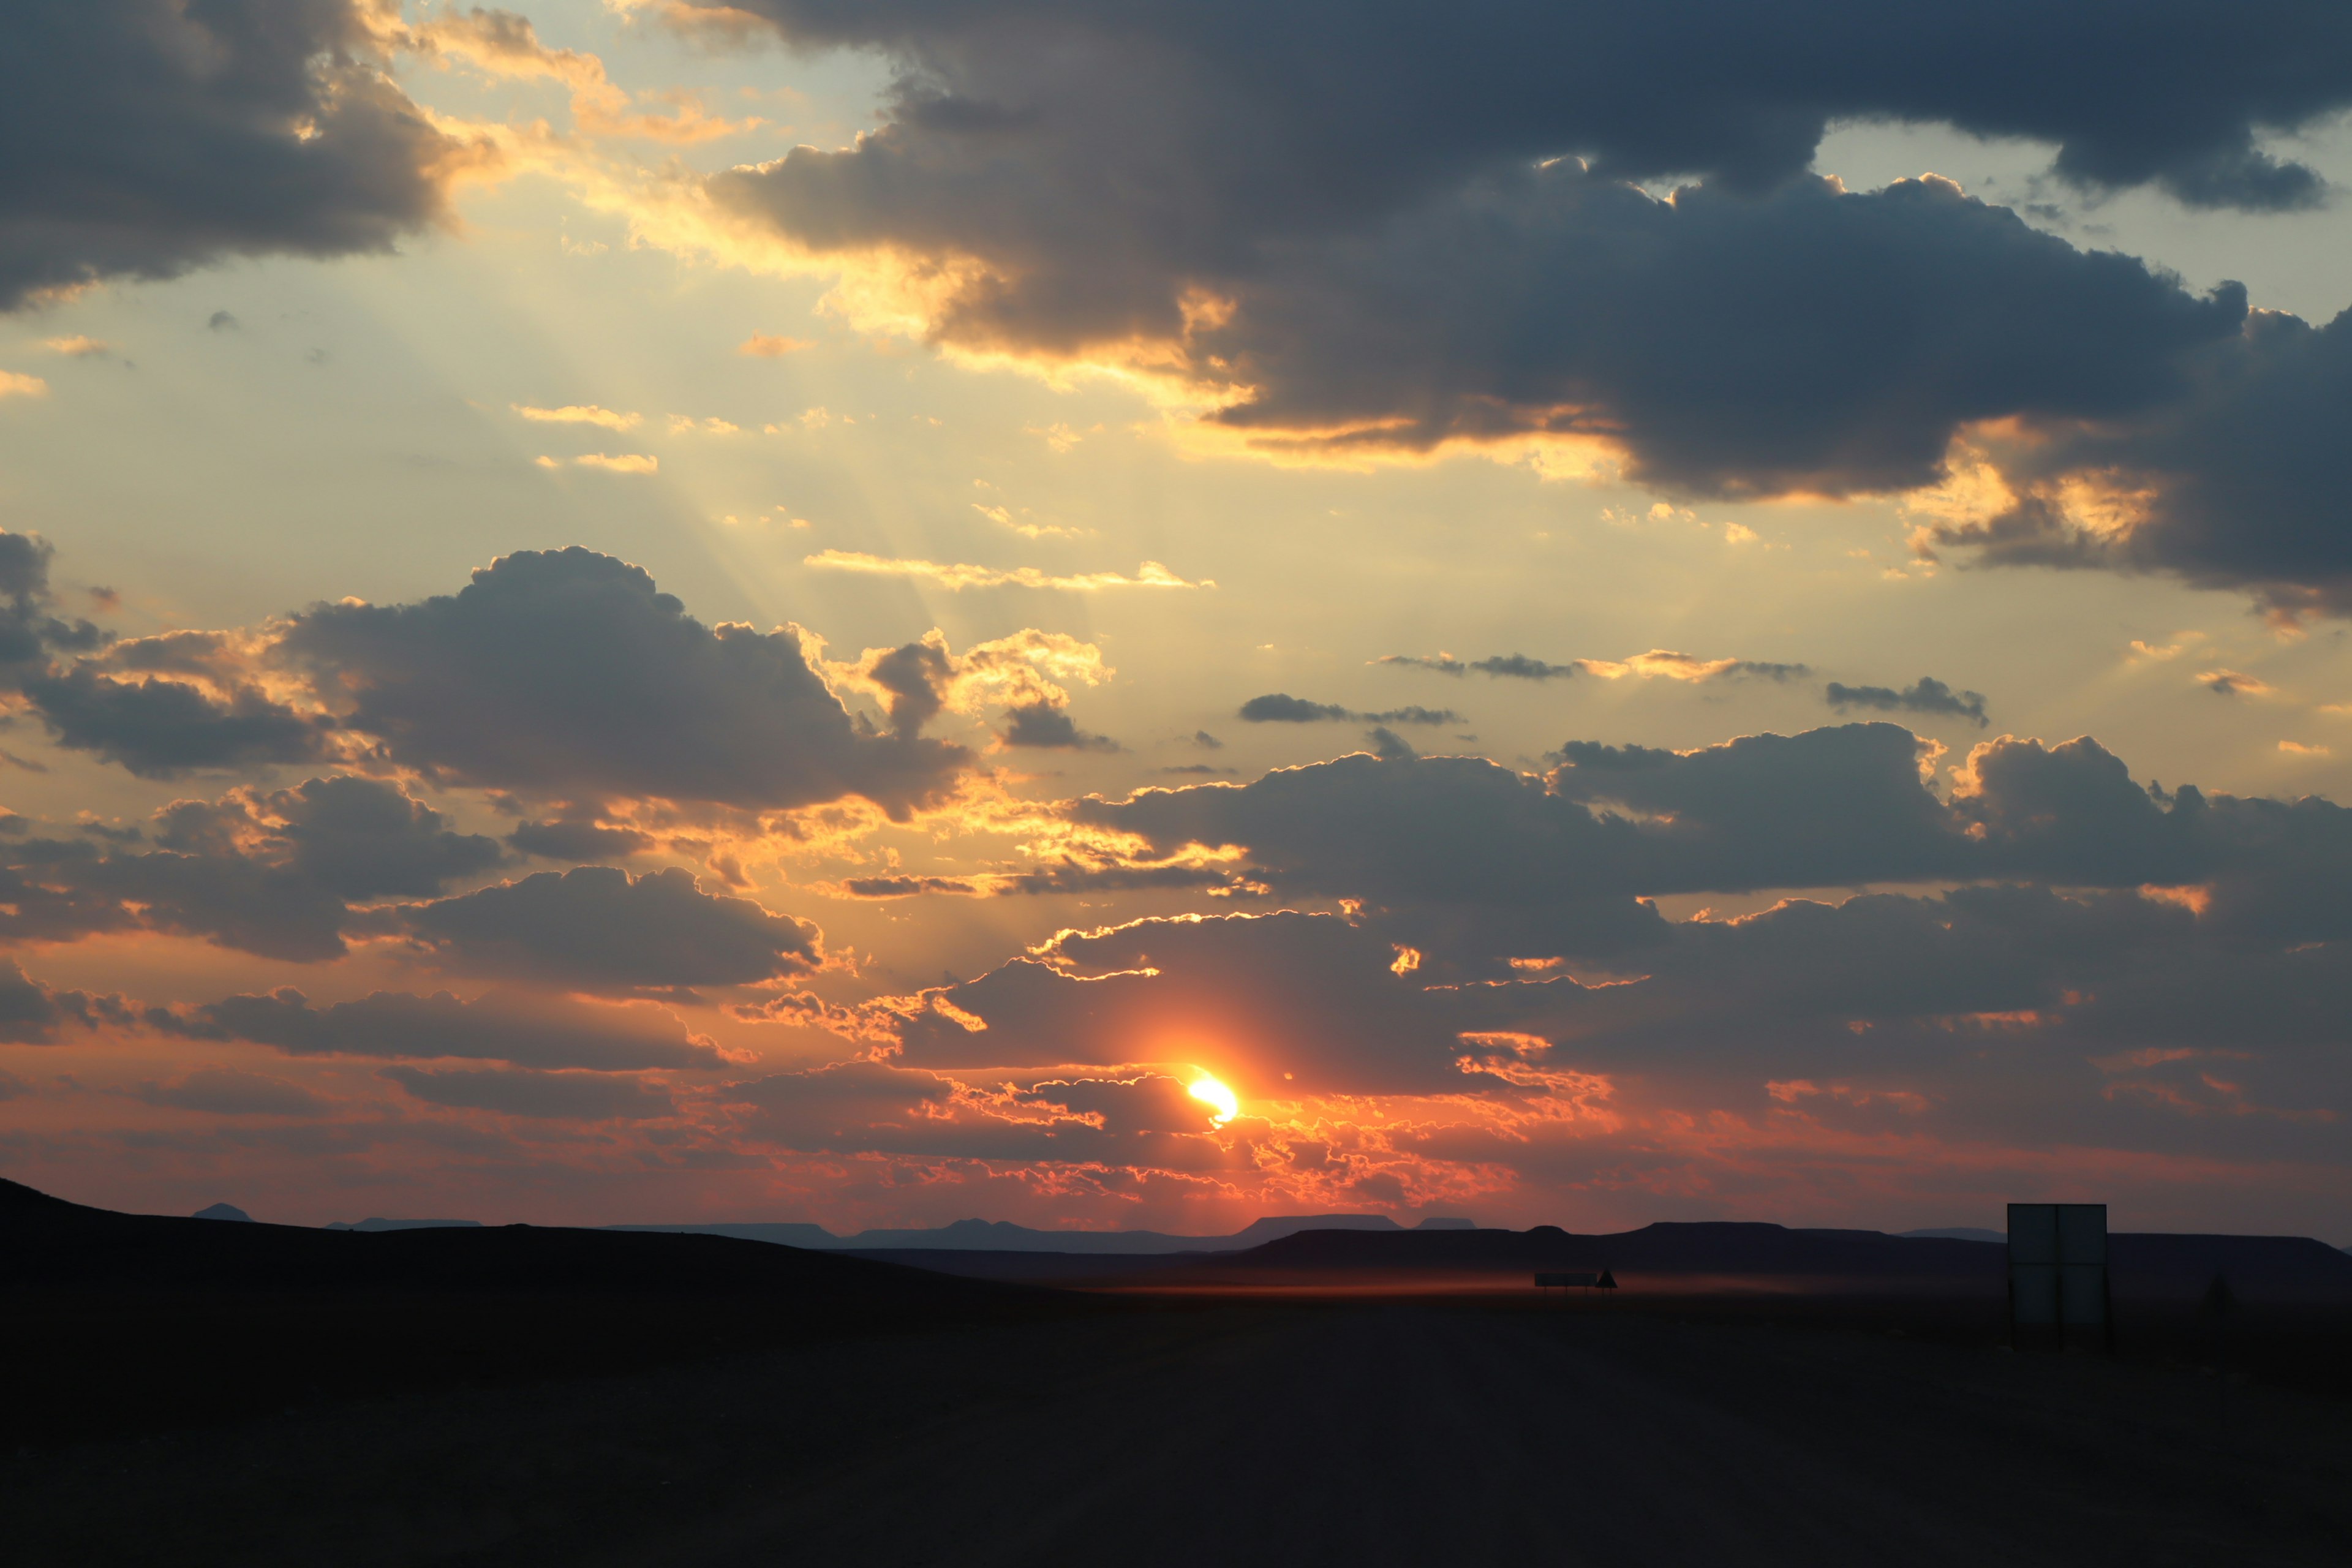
1209,1090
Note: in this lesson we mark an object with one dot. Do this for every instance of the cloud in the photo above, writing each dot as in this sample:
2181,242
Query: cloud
34,1013
1473,271
2233,683
1425,99
767,345
579,414
570,675
576,840
358,838
2234,482
1473,864
79,346
268,873
1281,708
1150,574
1045,726
539,1032
906,887
625,463
14,384
228,1091
599,928
859,1106
167,728
1928,696
153,138
521,1091
1657,662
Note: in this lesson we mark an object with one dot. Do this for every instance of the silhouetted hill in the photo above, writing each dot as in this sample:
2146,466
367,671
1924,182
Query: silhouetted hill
131,1322
50,1242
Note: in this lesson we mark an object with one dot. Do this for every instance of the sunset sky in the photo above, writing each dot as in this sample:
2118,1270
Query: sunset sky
648,610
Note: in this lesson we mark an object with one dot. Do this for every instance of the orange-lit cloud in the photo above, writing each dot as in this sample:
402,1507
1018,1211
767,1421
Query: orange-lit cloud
579,414
956,578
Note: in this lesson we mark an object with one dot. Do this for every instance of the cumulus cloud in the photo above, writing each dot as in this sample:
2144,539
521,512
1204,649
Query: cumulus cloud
597,928
569,674
1473,863
150,138
536,1032
2237,482
34,1013
1928,695
273,873
1045,726
168,727
1250,104
1342,239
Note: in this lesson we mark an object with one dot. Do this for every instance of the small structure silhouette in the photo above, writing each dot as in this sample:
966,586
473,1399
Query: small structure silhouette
1550,1280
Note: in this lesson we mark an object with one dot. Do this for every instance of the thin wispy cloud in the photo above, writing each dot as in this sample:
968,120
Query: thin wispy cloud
957,577
579,413
1656,664
609,462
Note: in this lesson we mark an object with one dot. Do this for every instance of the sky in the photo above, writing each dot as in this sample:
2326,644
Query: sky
645,611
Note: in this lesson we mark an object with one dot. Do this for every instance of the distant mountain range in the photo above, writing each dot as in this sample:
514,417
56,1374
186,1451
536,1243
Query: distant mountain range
1002,1236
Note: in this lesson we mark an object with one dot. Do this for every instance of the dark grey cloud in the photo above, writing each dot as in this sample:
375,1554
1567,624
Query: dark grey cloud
597,928
2238,484
1281,708
34,1013
1325,111
204,716
1388,745
569,674
1475,863
523,1091
357,838
526,1032
228,1091
906,887
1928,695
579,841
147,137
1418,228
273,873
161,729
1047,726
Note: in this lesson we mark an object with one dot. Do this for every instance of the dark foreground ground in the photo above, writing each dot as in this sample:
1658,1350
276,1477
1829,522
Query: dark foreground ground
1370,1431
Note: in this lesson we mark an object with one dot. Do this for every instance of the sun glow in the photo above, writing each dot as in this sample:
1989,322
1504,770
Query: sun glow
1210,1092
